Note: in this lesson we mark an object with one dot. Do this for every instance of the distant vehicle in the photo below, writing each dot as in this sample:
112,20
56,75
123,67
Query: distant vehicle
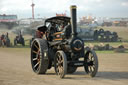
8,20
19,40
105,36
4,40
90,34
86,34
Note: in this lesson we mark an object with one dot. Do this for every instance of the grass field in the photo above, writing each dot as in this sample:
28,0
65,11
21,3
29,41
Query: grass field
122,32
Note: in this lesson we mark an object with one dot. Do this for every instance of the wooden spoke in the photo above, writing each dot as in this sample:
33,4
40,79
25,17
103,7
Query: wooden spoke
93,66
35,52
36,65
57,59
61,61
34,59
94,62
36,46
58,70
61,67
59,56
89,56
92,58
90,68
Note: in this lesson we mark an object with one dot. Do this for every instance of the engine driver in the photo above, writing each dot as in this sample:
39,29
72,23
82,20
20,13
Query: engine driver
41,31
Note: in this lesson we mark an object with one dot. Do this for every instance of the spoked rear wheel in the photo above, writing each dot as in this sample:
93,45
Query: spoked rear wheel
60,63
91,63
38,61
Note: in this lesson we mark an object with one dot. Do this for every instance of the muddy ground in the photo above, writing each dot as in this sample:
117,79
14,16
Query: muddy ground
15,69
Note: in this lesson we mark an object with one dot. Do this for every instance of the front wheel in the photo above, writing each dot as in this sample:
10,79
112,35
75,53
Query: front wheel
60,63
91,63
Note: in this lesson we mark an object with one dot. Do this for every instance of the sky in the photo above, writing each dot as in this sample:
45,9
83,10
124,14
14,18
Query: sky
47,8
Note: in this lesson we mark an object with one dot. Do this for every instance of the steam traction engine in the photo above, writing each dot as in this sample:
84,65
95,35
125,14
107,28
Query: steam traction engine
61,48
19,40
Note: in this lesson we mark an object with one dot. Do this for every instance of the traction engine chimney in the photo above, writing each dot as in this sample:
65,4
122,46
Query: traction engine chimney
73,20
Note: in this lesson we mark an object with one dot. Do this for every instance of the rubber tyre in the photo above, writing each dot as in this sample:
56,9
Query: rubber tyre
39,50
101,30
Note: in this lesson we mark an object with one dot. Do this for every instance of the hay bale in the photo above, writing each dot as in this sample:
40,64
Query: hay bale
107,47
111,48
120,49
101,46
91,46
96,47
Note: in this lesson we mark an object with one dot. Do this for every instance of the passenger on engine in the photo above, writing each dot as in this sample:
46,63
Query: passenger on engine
60,27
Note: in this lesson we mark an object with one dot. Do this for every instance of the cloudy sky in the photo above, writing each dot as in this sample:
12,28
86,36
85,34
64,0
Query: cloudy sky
46,8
